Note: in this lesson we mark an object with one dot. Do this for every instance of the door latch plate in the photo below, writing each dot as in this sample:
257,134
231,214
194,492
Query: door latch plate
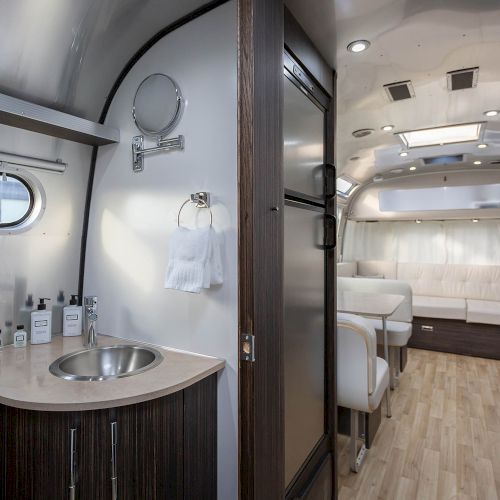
247,348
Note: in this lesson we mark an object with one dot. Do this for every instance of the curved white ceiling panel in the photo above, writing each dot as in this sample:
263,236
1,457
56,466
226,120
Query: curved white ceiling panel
417,40
67,54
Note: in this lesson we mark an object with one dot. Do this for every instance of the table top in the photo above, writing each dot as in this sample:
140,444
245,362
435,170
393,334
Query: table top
368,304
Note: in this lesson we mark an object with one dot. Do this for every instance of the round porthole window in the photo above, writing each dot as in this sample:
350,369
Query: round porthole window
16,200
22,200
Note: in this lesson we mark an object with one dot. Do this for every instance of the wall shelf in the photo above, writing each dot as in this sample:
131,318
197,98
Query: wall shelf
28,116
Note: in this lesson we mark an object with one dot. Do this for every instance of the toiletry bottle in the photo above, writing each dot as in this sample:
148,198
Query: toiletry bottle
72,318
25,314
20,337
57,314
41,324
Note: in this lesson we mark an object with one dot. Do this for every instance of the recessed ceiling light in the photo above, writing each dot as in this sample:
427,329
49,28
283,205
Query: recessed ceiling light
437,136
475,220
482,146
387,128
418,221
358,46
478,162
403,153
413,168
492,112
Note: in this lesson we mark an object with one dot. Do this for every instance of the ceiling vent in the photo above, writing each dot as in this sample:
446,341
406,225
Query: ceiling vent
443,160
462,79
495,162
399,91
362,132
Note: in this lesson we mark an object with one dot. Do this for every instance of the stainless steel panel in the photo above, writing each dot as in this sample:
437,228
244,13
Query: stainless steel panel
304,336
303,130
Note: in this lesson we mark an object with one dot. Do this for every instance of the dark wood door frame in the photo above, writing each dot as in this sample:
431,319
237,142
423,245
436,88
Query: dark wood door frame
260,158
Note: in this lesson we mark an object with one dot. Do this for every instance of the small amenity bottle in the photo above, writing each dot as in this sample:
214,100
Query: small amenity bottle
20,337
72,318
41,324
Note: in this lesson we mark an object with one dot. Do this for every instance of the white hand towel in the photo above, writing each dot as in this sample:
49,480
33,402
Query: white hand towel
188,258
213,270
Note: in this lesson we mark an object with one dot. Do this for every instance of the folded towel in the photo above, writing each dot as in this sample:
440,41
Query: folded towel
194,260
188,256
213,270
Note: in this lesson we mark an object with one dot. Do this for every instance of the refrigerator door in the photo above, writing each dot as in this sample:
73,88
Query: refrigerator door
303,129
304,349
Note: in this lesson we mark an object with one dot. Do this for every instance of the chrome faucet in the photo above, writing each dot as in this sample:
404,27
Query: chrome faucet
89,320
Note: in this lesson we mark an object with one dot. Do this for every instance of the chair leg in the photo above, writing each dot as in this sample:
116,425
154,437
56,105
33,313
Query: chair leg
356,457
392,383
388,402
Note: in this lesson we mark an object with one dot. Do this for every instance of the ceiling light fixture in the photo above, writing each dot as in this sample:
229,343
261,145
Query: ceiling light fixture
358,46
413,168
438,136
418,221
491,112
387,128
478,162
475,220
403,153
482,146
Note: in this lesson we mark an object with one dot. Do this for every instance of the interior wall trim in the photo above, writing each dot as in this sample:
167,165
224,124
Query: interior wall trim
204,9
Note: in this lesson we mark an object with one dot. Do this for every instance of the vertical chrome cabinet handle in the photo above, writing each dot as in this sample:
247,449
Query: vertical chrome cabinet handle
72,464
114,444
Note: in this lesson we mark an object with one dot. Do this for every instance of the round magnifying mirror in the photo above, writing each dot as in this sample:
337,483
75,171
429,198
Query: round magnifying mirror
158,105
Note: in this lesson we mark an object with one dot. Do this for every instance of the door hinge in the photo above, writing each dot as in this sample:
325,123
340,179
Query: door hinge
247,347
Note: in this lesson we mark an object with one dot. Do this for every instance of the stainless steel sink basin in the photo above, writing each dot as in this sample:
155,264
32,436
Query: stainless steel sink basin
104,363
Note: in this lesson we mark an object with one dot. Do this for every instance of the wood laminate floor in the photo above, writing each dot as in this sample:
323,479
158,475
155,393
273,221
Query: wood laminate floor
443,440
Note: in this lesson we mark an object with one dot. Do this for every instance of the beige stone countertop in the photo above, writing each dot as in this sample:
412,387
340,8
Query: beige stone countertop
25,380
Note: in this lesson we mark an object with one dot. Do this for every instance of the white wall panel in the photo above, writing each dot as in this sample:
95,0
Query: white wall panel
133,215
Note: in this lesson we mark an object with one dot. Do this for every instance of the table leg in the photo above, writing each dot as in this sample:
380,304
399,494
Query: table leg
386,356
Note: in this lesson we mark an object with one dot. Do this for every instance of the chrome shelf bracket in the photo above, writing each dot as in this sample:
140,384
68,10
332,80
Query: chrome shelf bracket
138,151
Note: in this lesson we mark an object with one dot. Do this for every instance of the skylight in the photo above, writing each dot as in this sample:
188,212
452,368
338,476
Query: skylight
437,136
345,186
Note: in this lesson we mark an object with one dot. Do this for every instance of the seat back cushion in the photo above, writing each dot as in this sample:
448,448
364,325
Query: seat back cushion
385,268
356,361
347,269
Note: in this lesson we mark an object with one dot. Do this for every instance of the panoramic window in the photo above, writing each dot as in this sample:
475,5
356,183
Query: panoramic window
16,200
345,186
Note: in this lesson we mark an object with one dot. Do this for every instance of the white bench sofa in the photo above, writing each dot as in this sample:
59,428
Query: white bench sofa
444,291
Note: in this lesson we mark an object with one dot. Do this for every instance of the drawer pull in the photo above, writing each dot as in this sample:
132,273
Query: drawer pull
72,464
427,328
114,444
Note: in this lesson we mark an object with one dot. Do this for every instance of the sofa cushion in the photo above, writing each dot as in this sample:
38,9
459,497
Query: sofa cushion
347,269
439,307
398,332
384,268
483,311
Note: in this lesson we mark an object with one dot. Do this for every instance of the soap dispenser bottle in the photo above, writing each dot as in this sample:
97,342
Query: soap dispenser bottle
41,324
57,314
20,337
72,318
25,314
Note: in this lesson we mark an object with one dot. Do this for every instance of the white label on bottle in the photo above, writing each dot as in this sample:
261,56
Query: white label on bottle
71,317
41,323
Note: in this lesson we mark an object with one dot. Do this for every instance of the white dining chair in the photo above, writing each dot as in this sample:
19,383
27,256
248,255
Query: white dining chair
362,377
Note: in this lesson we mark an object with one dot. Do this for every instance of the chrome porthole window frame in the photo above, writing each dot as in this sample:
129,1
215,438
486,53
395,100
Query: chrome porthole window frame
179,110
38,201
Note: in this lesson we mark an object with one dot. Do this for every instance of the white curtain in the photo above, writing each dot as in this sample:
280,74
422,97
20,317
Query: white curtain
451,242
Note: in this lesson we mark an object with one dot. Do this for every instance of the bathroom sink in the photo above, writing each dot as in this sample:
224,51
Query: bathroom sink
104,363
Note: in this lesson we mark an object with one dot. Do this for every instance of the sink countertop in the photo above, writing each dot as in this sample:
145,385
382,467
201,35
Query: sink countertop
25,380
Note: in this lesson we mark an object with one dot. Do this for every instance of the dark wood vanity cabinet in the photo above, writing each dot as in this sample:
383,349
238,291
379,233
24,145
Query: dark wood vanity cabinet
165,449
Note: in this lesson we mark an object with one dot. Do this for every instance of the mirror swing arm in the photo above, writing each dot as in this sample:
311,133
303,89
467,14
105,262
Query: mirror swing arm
163,144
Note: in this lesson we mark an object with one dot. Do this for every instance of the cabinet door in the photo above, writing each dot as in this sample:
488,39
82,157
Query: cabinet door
150,449
35,449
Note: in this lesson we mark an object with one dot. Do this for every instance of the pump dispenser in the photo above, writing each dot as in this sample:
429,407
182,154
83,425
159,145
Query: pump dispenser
57,314
41,323
72,318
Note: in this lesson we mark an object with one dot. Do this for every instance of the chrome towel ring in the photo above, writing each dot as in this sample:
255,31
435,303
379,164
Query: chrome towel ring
201,200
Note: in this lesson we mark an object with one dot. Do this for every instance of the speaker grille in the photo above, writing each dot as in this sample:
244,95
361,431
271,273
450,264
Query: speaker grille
398,91
462,79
